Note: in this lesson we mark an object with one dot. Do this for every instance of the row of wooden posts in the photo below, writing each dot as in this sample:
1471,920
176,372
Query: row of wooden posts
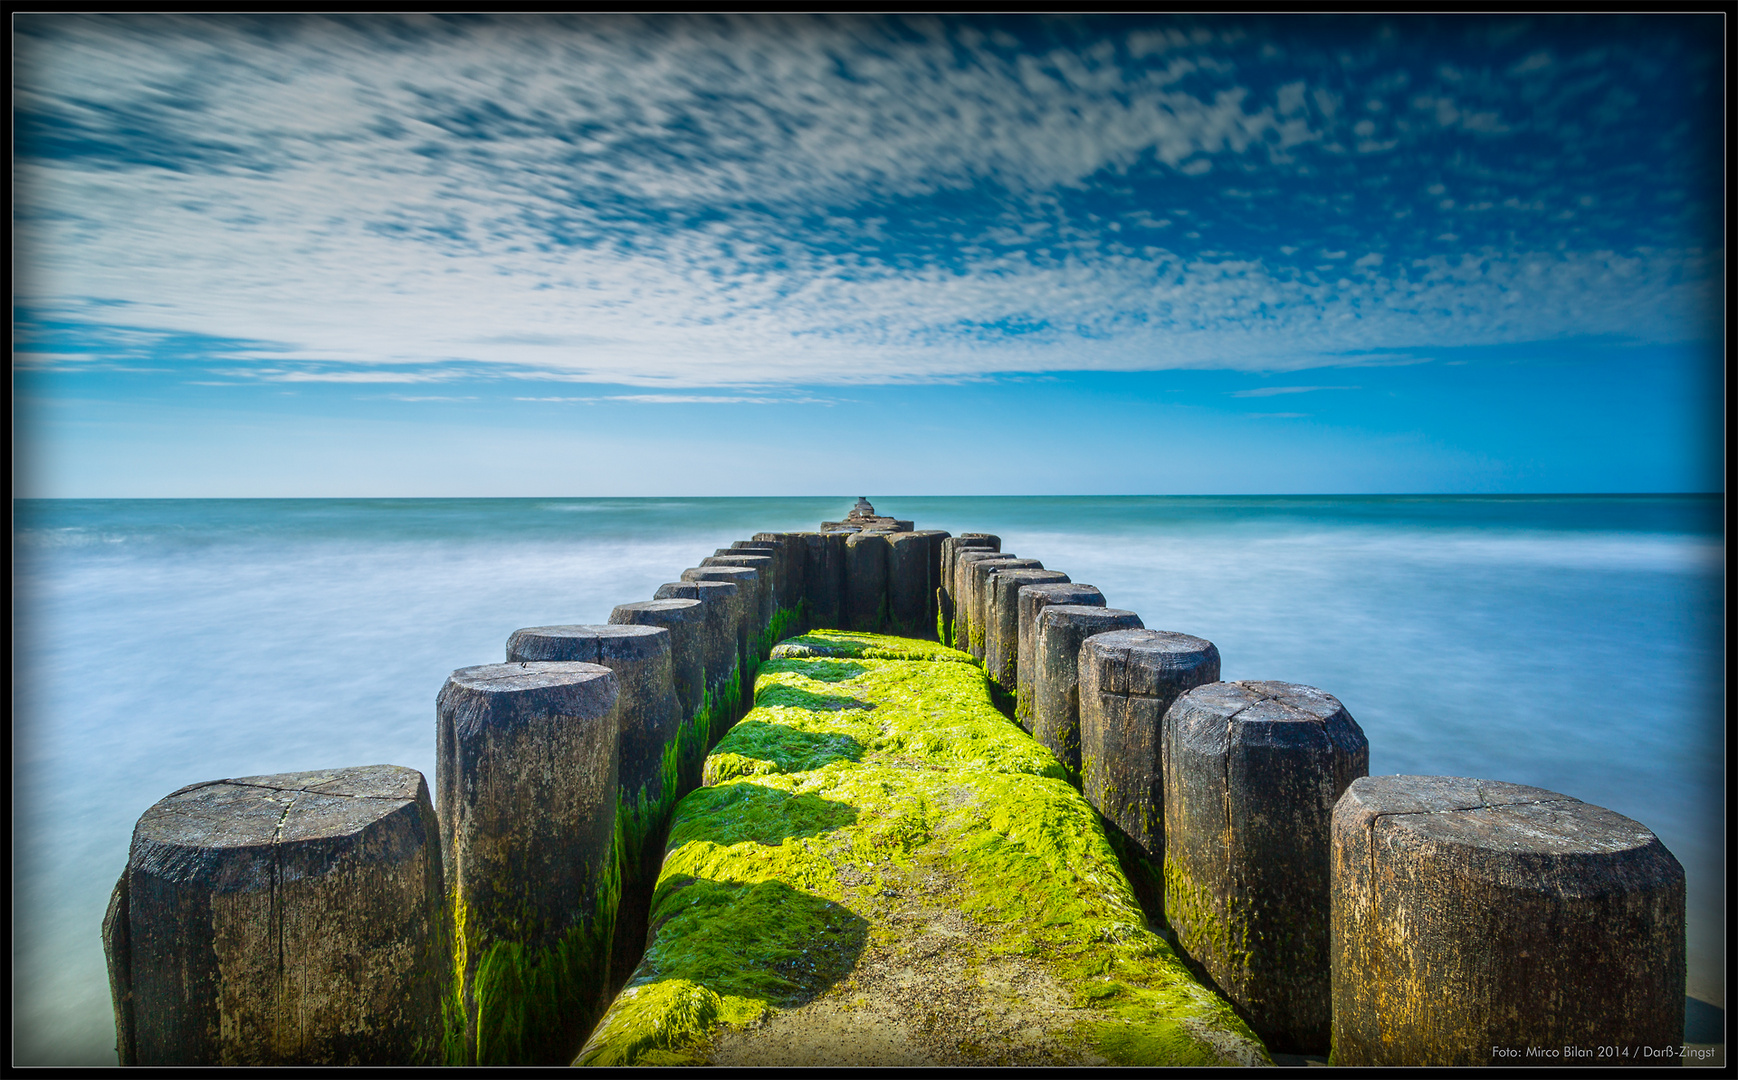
345,916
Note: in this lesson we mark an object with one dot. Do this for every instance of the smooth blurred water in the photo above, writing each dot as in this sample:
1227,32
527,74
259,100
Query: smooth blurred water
1570,642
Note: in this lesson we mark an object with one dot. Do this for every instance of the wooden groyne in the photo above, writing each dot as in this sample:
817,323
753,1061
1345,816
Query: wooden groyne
1169,869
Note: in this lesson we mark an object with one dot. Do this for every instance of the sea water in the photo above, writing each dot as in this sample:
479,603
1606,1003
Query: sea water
1574,643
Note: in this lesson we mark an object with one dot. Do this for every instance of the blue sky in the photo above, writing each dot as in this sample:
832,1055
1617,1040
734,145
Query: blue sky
622,256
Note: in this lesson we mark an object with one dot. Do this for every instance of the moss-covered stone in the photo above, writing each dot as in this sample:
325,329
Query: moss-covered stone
885,870
850,643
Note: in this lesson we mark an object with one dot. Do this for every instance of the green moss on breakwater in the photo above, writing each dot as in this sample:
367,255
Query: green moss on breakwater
532,993
856,784
784,620
863,646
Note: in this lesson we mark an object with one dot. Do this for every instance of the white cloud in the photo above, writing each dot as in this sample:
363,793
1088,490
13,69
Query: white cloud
1289,99
619,202
1270,391
687,399
1535,62
711,399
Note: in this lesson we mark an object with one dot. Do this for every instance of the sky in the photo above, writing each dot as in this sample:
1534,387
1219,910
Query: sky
616,256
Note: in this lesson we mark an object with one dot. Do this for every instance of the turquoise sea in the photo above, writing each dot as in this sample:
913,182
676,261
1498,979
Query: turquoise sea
1570,642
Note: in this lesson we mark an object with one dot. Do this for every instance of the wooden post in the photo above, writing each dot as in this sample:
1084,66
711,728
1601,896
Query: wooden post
1128,679
1033,599
294,919
1002,621
765,566
979,592
932,540
1062,629
722,646
965,632
1476,922
1252,770
824,578
751,598
686,622
526,781
865,580
790,554
946,601
908,585
647,711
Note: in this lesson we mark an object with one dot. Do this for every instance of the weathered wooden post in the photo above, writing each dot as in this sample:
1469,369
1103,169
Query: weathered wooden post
1061,630
295,919
685,620
908,585
763,566
646,707
965,633
932,540
1031,600
749,596
946,601
650,751
865,580
748,606
791,557
525,778
1128,679
824,578
778,572
721,638
1002,622
1252,771
979,591
1477,922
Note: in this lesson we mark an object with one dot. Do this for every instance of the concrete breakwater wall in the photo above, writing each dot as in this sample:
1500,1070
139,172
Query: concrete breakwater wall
352,916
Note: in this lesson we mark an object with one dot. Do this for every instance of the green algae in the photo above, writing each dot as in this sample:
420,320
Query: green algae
851,775
1164,1041
784,620
940,713
665,1020
1204,926
742,909
762,748
854,643
1146,876
455,1022
534,990
534,1003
